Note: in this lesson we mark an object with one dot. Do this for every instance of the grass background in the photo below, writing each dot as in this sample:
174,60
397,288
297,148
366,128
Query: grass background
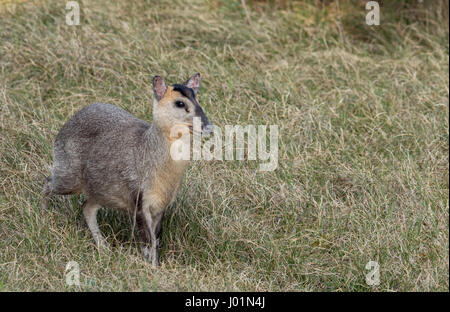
363,155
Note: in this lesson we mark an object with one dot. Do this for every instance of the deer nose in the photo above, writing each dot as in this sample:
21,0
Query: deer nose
207,129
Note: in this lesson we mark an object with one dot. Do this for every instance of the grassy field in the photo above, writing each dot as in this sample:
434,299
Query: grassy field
363,125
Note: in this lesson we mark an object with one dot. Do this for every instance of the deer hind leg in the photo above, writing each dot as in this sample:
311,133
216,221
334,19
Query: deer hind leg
90,210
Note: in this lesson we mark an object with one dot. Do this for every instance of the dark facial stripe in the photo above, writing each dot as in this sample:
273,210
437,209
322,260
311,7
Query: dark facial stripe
199,112
186,92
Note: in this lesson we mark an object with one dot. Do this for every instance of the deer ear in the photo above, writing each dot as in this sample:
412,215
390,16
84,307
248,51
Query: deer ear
194,82
159,87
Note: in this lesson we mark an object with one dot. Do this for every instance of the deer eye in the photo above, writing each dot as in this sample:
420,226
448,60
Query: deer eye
179,104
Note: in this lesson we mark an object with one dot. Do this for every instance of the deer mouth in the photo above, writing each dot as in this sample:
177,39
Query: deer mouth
205,131
194,131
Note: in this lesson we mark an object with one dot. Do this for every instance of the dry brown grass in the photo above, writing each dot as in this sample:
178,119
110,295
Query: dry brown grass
363,169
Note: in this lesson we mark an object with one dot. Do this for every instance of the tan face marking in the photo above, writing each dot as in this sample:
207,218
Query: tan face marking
166,112
169,96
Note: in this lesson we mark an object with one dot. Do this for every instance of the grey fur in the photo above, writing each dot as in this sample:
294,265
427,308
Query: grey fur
113,158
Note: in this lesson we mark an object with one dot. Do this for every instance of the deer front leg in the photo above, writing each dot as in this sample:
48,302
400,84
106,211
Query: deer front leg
150,232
